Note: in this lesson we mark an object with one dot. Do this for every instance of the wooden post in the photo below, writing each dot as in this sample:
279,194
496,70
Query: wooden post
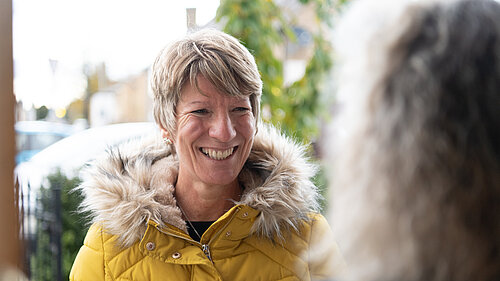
9,253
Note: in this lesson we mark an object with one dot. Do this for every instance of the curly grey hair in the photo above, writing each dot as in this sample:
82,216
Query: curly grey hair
219,57
416,171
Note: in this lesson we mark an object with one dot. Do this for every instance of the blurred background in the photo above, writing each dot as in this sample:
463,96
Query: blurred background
81,83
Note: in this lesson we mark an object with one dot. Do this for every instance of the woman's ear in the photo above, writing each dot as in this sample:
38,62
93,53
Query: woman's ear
166,137
164,133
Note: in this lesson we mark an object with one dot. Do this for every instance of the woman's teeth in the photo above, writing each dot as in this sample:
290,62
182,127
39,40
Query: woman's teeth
217,154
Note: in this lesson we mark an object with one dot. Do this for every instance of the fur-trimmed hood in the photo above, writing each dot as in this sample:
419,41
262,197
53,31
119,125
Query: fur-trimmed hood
134,183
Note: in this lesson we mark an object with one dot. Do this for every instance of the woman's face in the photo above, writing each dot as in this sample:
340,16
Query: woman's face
214,134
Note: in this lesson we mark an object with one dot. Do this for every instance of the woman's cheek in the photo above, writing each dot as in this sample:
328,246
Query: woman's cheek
249,122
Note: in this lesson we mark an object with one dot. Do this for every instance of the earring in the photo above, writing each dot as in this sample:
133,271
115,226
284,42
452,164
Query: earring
167,141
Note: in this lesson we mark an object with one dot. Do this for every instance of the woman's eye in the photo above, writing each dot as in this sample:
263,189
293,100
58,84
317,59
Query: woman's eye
200,111
242,109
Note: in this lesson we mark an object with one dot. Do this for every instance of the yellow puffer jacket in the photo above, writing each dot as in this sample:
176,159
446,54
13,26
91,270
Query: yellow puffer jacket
272,233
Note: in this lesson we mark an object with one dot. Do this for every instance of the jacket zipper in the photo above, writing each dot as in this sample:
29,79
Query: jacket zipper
204,247
206,250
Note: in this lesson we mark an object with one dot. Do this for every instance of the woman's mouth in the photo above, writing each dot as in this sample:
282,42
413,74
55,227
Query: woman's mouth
218,154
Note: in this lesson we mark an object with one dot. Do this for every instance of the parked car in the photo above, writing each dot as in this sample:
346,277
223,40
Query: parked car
33,136
70,153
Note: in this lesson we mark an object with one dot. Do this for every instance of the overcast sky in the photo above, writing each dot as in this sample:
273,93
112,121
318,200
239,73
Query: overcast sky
125,34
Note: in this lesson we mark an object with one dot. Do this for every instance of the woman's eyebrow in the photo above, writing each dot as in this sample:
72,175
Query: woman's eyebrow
197,102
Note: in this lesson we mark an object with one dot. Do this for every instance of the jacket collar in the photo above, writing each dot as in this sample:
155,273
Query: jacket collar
134,183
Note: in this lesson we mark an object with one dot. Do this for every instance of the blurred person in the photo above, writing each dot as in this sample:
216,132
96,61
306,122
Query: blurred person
218,199
415,178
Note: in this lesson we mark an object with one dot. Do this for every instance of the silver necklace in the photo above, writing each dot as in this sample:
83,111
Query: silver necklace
189,222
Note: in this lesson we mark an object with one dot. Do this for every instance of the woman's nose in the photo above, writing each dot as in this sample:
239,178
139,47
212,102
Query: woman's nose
222,128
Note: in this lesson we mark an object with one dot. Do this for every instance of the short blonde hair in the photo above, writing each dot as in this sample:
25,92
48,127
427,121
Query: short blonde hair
215,55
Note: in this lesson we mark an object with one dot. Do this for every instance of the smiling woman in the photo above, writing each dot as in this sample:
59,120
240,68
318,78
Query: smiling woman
217,199
214,135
